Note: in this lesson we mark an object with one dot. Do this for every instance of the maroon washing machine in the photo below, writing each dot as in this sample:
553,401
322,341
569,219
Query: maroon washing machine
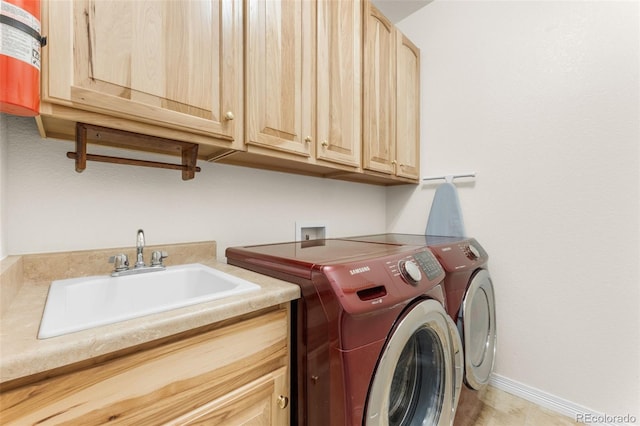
470,296
372,343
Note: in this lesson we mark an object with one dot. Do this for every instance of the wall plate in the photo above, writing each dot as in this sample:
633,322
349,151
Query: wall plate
311,230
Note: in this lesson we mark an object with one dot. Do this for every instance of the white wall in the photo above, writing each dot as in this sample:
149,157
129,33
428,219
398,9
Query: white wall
50,207
3,183
541,99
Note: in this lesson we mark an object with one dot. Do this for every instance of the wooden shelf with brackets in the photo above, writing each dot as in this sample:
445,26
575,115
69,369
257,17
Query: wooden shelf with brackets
89,133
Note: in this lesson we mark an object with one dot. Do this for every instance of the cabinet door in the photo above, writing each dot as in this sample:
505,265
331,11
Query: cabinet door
339,85
408,108
177,380
175,63
379,106
279,70
259,403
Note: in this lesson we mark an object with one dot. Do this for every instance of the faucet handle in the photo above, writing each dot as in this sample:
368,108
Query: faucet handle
120,261
157,257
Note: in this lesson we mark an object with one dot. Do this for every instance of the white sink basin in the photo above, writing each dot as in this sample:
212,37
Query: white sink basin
82,303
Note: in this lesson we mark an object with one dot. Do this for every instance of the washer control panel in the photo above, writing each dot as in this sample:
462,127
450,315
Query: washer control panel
410,271
413,268
373,284
428,263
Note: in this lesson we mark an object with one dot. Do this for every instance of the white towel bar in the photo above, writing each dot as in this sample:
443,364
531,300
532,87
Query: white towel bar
450,178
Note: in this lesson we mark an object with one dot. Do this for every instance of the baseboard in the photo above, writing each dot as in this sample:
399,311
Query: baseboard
559,405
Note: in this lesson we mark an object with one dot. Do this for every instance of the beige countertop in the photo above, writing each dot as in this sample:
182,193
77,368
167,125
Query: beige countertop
23,354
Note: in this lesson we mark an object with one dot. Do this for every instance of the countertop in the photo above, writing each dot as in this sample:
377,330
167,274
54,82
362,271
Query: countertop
23,354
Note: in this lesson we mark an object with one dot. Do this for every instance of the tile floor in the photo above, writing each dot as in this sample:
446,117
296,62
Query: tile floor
493,407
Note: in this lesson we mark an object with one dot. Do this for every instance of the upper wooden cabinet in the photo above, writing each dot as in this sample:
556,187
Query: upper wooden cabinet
173,64
391,118
319,87
407,108
339,82
379,131
303,86
279,72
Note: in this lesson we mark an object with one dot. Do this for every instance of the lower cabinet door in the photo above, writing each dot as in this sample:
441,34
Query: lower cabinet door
231,375
261,402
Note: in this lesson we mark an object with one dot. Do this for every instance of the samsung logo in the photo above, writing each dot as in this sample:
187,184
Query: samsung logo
359,270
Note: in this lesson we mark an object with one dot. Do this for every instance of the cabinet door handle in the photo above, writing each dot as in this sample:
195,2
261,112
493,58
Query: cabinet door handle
283,401
325,143
229,116
308,139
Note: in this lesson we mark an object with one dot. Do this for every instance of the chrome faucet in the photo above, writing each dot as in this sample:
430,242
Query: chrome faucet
121,261
139,249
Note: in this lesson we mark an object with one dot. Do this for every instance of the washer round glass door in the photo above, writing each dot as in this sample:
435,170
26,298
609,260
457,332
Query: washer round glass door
477,321
414,382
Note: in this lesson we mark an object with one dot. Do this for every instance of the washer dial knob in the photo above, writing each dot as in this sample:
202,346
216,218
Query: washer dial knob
410,271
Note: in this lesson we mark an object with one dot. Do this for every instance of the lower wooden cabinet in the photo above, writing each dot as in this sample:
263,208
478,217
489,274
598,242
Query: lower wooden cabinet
260,402
232,375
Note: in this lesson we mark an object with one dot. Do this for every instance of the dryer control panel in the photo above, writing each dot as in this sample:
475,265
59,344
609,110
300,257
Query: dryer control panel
462,255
